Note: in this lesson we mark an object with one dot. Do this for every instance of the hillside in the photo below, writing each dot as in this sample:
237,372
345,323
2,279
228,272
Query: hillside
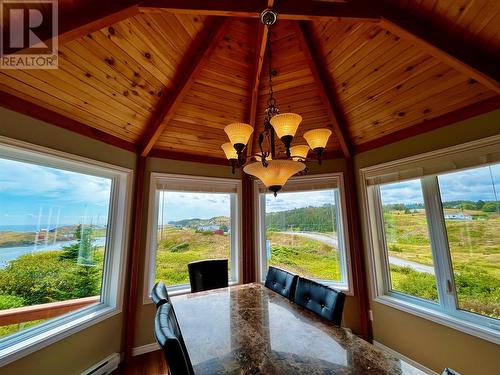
195,223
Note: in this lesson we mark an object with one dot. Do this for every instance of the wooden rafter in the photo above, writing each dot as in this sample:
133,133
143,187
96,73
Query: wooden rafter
287,9
323,81
198,55
440,44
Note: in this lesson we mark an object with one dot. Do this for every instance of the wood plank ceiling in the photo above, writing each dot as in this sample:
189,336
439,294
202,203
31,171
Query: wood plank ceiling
155,80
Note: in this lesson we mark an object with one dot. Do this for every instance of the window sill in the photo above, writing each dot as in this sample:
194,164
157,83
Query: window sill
24,343
439,317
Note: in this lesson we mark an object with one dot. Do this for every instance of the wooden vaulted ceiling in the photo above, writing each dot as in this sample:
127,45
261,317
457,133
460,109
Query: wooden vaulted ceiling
168,76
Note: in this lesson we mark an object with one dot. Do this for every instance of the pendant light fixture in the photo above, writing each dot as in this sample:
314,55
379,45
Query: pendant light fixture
272,168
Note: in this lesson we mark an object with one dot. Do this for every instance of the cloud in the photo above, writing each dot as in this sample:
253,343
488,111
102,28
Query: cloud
287,201
187,205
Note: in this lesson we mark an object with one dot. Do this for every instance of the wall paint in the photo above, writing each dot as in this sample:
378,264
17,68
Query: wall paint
431,344
80,351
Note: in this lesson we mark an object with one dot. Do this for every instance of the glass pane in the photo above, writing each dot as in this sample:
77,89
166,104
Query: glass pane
191,227
301,233
407,239
472,215
53,226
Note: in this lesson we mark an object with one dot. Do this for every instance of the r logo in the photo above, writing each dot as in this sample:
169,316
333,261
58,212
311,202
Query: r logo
28,34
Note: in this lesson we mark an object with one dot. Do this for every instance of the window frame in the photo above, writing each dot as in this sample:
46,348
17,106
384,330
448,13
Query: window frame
24,342
445,311
197,183
301,183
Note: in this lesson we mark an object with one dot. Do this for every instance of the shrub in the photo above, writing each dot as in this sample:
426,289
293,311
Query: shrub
179,247
10,302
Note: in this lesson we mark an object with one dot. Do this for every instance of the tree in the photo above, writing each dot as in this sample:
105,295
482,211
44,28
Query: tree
81,251
491,207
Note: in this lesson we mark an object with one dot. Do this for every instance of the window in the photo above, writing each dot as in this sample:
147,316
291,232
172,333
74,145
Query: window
436,235
301,230
194,218
59,266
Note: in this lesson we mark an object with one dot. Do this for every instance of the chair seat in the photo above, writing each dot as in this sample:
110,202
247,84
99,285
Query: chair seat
320,299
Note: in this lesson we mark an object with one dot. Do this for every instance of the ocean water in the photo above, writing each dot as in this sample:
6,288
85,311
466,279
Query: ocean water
28,227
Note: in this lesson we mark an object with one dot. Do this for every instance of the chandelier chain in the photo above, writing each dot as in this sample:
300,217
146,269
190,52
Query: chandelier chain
271,101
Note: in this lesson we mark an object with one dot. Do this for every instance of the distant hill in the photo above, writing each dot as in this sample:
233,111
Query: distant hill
195,223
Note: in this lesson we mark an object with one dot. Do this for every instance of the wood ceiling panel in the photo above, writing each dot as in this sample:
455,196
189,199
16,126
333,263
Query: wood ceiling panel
219,96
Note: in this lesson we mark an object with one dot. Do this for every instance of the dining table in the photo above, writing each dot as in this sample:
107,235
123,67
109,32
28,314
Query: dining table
250,329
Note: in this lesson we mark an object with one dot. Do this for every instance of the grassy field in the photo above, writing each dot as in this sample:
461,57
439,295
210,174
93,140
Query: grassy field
178,247
303,256
475,254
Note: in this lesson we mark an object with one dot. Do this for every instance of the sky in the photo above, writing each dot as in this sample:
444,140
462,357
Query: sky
32,194
473,184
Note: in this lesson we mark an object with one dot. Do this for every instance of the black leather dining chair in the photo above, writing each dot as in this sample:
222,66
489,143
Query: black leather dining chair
159,294
168,335
208,274
320,299
449,371
281,281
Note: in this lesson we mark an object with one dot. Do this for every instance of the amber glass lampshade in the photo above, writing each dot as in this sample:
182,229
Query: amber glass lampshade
317,138
239,134
229,151
286,124
299,152
276,174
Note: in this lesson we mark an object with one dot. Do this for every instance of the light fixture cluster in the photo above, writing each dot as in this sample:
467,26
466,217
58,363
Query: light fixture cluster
272,169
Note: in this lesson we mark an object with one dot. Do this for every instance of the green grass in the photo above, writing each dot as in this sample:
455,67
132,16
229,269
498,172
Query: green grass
303,256
178,247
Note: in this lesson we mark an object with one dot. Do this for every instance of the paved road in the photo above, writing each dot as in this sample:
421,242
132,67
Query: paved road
332,241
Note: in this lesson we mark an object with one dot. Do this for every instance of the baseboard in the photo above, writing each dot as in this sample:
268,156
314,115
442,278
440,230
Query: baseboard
404,358
145,349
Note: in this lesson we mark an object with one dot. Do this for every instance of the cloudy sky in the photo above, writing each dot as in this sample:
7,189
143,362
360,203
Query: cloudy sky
31,194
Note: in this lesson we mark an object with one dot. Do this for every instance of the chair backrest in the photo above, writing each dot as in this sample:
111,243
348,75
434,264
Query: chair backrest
208,274
449,371
281,281
320,299
159,294
168,335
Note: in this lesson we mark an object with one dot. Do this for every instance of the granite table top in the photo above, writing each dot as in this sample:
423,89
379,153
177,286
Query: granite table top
249,329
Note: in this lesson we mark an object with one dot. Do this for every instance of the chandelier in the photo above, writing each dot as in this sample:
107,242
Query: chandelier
271,167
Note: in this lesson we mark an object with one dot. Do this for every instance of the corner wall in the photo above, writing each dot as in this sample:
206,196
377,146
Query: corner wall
83,349
431,344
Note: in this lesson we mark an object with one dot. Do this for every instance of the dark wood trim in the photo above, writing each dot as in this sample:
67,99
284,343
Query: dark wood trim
135,257
248,229
287,9
415,29
325,85
193,62
357,251
173,155
450,118
24,107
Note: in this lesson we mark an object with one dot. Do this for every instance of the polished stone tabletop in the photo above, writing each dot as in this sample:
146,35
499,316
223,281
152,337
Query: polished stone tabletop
249,329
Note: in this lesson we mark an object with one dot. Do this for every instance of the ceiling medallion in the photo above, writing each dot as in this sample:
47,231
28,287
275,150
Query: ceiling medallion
271,167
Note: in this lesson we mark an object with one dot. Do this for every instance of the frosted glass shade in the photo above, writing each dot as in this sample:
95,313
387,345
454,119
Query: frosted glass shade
286,124
299,152
238,132
317,137
276,173
229,151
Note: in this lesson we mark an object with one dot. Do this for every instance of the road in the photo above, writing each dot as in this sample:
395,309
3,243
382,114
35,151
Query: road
332,241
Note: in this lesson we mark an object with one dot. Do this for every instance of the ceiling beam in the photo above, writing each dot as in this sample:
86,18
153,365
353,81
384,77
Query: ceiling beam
195,60
325,85
17,104
287,9
440,44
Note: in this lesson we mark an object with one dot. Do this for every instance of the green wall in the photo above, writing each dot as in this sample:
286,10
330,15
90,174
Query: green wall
77,352
431,344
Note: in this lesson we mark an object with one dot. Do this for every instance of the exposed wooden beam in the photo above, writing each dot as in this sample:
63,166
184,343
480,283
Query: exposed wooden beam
194,61
325,86
27,108
287,9
461,114
173,155
438,43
